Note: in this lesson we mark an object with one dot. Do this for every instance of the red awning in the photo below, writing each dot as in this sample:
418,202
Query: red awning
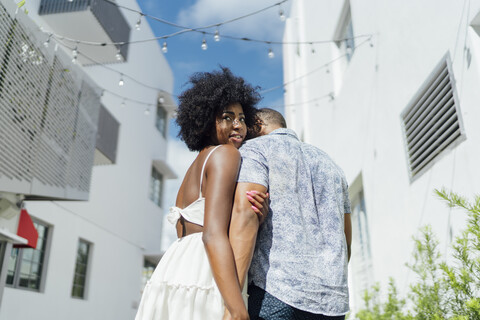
26,230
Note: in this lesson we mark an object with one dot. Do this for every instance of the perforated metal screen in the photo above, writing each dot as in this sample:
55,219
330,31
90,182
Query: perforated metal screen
48,115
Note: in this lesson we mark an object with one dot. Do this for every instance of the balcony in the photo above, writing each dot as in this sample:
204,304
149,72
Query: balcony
89,20
107,138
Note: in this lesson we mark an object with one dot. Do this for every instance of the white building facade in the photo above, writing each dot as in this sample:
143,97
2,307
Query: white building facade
92,256
393,98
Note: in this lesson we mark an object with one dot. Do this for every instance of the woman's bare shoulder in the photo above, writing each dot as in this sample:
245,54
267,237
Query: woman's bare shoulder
226,151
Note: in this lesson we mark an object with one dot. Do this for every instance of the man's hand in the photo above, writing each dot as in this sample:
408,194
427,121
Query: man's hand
260,203
226,315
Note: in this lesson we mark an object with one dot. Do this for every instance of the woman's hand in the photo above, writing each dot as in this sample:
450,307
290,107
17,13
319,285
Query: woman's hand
259,201
228,316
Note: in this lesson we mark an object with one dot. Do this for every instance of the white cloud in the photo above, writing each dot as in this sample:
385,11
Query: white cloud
263,26
180,158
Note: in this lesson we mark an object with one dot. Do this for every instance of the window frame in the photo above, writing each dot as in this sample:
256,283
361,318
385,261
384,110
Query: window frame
88,267
159,203
162,130
46,258
344,27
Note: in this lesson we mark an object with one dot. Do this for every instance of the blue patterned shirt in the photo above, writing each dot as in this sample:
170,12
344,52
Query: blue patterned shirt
301,252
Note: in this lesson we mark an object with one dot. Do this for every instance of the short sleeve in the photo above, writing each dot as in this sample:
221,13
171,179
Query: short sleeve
254,167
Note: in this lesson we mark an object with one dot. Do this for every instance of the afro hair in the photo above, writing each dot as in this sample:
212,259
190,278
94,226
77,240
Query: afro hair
209,94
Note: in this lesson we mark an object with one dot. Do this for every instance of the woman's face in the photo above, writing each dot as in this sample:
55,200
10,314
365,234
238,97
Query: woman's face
230,127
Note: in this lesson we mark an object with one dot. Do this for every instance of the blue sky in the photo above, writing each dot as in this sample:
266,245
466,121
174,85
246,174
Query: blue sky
246,59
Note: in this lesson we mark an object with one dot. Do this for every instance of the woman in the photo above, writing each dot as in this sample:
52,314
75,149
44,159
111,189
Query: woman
196,277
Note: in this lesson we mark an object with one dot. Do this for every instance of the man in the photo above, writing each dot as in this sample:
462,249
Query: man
299,257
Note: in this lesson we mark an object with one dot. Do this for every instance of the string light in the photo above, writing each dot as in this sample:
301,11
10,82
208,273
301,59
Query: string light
281,14
47,42
74,54
161,99
147,111
75,51
139,21
164,47
313,48
202,29
204,44
121,82
271,55
216,37
118,56
123,103
349,50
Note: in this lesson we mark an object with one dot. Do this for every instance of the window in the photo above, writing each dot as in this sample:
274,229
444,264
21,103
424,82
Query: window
26,266
81,268
431,121
156,187
161,121
344,33
148,268
361,260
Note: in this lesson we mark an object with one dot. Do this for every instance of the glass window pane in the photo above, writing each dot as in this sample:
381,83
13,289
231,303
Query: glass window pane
77,292
79,278
30,262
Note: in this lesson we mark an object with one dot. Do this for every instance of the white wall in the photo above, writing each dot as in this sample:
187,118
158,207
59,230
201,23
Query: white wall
361,127
119,220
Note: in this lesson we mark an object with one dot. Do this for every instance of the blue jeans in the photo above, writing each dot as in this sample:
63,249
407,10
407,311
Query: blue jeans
264,306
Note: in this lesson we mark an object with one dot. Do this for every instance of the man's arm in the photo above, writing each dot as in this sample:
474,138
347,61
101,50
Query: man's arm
243,228
348,233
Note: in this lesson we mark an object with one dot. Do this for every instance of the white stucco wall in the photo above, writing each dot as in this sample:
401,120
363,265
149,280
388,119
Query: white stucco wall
361,127
120,220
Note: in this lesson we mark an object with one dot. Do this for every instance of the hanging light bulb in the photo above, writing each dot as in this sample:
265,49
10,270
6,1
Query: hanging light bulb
204,44
371,42
118,56
139,21
74,54
121,82
271,55
281,14
147,111
328,69
47,42
216,37
313,48
102,93
164,47
161,99
123,103
70,0
349,50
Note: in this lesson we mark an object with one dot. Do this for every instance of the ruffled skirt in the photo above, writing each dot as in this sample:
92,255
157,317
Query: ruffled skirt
182,286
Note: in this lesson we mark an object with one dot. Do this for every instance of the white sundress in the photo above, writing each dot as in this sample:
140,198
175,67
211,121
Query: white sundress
182,286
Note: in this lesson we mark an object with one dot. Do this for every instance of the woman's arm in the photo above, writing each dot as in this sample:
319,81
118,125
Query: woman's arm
221,174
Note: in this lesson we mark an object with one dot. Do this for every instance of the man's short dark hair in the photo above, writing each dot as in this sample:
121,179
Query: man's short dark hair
209,94
271,117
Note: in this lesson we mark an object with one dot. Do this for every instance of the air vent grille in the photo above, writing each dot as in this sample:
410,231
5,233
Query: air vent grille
432,121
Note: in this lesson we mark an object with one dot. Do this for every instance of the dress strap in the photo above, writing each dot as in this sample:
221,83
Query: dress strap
203,168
